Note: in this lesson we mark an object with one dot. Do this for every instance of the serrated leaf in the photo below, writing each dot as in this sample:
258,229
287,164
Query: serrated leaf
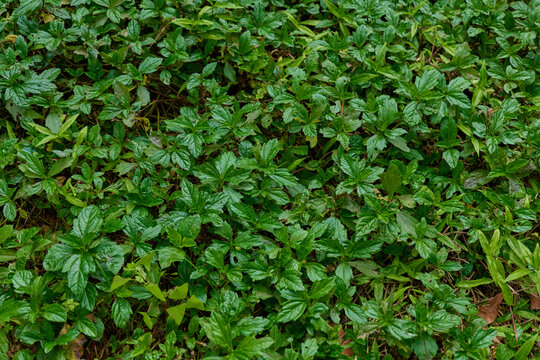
54,312
121,312
149,65
391,179
291,310
88,223
451,156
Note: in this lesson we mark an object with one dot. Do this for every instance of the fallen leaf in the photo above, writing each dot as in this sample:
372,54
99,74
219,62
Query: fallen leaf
10,38
535,301
47,18
75,348
489,311
341,334
347,351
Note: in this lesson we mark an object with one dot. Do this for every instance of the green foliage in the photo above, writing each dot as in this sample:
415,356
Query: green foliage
269,179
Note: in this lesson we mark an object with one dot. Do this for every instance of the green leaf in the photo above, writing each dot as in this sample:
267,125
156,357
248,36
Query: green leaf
291,310
315,271
87,327
5,233
110,256
388,113
269,151
482,338
60,165
391,179
411,115
244,211
448,130
22,281
10,211
427,81
27,6
4,343
469,284
476,178
149,65
426,247
425,347
12,308
4,191
283,177
309,348
291,279
117,282
133,29
88,223
406,223
321,288
177,313
168,255
451,156
455,95
33,166
54,312
62,340
77,268
179,293
218,330
250,347
517,274
355,313
147,320
526,348
244,43
209,69
156,291
121,312
194,303
56,257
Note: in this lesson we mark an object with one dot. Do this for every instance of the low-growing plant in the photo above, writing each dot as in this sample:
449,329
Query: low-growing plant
269,179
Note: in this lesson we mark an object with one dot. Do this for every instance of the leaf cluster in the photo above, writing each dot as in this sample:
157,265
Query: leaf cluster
269,179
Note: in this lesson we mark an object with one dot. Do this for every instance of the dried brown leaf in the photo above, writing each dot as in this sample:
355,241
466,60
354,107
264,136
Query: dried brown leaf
347,351
489,311
74,350
535,301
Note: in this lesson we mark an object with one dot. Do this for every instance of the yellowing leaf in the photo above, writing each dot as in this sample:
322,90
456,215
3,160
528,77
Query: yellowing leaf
179,292
117,282
156,291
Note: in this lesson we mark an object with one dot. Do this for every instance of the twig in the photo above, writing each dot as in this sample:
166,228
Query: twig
513,323
160,32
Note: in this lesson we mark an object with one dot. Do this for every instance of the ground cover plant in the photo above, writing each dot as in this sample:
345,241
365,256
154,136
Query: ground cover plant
269,179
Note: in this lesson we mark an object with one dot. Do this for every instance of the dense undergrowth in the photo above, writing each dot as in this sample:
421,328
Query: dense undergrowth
269,180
